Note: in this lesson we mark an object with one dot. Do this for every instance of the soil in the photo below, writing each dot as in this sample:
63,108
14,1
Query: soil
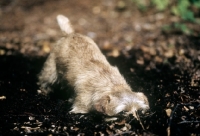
163,65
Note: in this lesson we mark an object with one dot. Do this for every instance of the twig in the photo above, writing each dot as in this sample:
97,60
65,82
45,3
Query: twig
122,133
138,118
150,114
140,121
182,122
29,115
170,120
185,122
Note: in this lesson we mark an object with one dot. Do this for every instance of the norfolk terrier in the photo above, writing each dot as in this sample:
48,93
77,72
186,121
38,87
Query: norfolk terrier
77,60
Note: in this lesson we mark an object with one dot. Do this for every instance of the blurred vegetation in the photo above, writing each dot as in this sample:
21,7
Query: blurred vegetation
187,10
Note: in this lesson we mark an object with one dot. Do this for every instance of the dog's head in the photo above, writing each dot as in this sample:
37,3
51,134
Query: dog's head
116,102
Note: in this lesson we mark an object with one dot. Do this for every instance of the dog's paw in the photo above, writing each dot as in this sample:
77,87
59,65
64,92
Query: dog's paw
78,110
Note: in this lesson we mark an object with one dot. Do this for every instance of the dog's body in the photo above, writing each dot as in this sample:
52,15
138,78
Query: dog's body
98,85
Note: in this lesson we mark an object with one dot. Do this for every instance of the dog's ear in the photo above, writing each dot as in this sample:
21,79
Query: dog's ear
102,104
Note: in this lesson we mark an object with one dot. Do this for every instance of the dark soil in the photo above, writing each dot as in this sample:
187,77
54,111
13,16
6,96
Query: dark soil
165,66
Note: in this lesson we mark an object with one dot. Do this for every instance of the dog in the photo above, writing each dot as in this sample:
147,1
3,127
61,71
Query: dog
77,60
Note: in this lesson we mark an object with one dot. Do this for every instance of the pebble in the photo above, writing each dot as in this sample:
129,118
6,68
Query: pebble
96,10
114,53
2,52
2,97
169,54
140,61
92,35
168,112
31,118
121,5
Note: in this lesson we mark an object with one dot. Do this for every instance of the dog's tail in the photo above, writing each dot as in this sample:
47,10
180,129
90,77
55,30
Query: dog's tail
65,24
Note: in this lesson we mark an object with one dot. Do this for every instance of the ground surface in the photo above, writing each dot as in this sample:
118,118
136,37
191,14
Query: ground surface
165,66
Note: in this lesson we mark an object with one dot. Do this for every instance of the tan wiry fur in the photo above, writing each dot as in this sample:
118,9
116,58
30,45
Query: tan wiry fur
98,85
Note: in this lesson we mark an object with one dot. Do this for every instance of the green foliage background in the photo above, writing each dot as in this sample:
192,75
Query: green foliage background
187,10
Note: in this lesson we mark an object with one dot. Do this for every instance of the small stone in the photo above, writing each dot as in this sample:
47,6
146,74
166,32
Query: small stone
39,91
140,61
152,51
107,46
186,109
114,53
158,59
74,128
167,95
2,52
31,118
191,107
128,126
91,35
168,112
183,117
124,128
46,47
169,54
182,90
144,49
2,97
132,70
121,5
110,119
64,128
82,21
96,10
181,52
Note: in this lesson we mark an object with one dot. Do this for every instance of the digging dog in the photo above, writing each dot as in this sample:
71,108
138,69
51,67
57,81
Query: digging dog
98,86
